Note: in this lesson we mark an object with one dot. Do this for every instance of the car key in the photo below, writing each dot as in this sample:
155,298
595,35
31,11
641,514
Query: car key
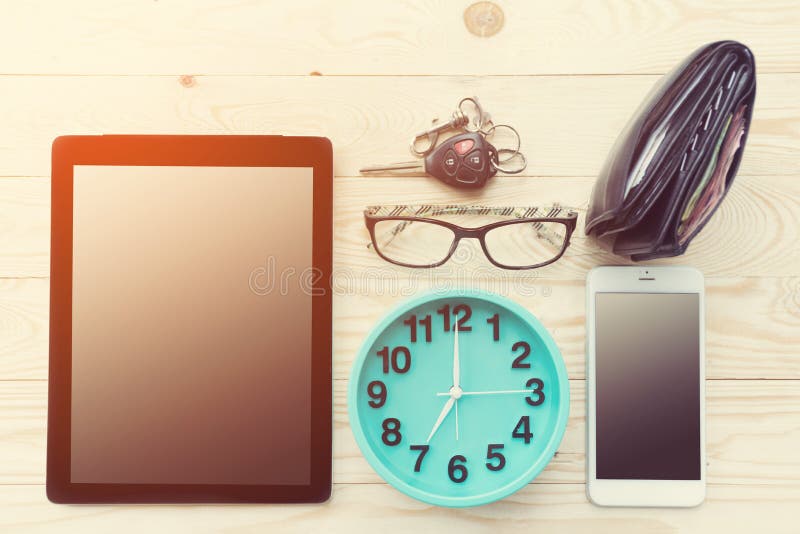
466,160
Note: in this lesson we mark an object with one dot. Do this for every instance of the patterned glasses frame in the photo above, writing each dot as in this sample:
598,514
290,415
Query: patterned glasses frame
406,215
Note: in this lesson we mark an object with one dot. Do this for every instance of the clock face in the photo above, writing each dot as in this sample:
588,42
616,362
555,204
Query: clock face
459,398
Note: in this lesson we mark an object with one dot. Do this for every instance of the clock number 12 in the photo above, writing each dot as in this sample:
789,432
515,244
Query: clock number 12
459,309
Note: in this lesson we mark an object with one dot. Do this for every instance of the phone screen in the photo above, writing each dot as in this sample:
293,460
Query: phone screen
647,386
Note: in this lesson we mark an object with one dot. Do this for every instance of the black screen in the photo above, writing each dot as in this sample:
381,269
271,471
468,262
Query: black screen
647,386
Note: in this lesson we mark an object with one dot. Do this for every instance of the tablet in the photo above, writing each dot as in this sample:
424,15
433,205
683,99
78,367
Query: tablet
190,319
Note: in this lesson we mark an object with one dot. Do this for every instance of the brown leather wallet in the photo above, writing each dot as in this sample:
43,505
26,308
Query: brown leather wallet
677,157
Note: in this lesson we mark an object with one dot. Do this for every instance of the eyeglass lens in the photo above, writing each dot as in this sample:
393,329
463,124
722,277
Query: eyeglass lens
422,243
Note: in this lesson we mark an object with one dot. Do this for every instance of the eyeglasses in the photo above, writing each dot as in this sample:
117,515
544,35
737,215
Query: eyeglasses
418,236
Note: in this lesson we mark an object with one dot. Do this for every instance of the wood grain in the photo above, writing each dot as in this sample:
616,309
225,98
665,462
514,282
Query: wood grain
752,429
567,123
24,328
567,74
754,233
753,324
760,343
356,508
363,37
24,227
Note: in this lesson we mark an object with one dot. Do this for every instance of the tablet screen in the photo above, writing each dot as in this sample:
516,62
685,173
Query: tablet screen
191,325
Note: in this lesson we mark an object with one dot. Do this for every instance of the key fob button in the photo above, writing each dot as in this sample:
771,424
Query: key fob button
462,147
474,160
468,178
450,162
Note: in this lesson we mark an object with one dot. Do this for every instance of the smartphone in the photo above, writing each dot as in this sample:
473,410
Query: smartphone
645,338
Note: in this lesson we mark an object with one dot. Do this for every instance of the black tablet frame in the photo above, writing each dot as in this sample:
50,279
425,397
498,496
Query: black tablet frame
182,150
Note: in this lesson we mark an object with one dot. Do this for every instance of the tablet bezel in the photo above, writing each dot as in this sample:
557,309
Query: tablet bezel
181,150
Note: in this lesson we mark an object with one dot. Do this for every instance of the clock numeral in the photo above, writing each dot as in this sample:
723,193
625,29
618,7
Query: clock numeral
459,309
519,361
494,320
457,472
462,321
423,450
411,322
377,392
523,429
492,454
444,311
538,390
393,361
391,432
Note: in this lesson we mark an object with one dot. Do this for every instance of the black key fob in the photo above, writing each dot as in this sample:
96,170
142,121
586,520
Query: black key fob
465,160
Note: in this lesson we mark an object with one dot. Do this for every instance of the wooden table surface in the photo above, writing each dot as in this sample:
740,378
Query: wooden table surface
367,74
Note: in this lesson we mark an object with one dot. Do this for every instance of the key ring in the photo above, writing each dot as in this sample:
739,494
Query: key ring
432,136
514,154
490,131
480,115
460,118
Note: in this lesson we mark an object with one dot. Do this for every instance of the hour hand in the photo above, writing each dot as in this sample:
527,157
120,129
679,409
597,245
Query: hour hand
446,410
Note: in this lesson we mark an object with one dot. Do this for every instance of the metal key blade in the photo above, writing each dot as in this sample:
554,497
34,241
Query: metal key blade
415,166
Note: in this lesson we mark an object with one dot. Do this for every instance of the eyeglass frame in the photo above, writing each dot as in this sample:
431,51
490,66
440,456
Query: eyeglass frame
570,222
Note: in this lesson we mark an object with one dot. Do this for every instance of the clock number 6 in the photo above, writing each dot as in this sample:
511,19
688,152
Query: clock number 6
391,432
423,450
393,361
457,472
538,390
491,455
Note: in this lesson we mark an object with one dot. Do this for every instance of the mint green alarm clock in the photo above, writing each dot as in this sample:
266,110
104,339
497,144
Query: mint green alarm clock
459,398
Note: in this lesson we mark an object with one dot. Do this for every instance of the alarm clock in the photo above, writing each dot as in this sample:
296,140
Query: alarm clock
458,398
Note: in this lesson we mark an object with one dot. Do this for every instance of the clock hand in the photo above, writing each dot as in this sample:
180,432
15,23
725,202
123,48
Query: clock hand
496,392
446,410
456,363
456,372
456,420
455,391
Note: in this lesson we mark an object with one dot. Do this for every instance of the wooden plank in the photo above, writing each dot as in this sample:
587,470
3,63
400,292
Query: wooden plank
567,123
24,227
753,324
361,37
753,427
380,508
23,432
753,233
24,328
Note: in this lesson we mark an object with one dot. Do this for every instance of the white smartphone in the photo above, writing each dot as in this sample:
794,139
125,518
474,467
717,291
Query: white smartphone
645,339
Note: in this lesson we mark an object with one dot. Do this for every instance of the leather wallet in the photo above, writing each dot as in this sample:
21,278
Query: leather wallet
677,157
